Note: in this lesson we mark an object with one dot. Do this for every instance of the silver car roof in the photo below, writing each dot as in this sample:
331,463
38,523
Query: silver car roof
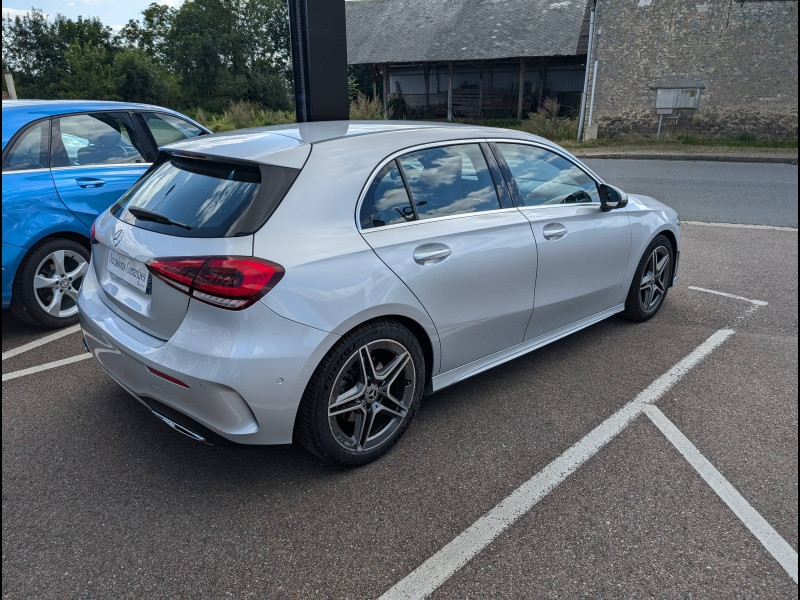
289,145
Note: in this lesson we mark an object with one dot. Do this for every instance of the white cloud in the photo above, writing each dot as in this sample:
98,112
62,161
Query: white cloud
14,12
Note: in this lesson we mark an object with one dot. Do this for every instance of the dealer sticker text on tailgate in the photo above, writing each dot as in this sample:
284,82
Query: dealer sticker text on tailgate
128,269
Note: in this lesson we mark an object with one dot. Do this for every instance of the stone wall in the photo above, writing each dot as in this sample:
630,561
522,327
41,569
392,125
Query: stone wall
742,55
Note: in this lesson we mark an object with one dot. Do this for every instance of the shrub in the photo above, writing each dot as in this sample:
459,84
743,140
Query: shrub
362,108
546,122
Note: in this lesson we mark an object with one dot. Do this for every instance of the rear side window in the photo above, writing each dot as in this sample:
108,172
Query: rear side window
449,180
205,198
435,182
30,150
387,201
95,139
168,128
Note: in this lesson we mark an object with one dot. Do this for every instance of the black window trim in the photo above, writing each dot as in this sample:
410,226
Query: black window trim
411,201
142,124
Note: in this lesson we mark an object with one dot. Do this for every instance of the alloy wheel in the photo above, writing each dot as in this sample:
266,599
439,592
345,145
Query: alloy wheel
371,395
655,279
57,281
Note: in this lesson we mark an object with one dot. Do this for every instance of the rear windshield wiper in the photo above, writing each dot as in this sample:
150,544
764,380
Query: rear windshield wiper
150,215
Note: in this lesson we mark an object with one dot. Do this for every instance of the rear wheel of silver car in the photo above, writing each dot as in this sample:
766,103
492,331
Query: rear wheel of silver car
651,281
363,395
47,283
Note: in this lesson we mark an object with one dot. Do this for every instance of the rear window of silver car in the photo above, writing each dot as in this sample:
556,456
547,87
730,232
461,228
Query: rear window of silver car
205,198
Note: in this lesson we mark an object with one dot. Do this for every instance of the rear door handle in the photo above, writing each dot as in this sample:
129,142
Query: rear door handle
430,254
89,182
554,231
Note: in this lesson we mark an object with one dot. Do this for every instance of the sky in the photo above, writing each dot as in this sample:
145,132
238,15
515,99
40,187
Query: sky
113,13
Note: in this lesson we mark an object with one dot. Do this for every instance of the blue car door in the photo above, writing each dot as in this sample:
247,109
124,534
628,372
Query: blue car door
95,158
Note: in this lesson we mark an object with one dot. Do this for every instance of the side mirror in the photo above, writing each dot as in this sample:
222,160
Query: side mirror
612,197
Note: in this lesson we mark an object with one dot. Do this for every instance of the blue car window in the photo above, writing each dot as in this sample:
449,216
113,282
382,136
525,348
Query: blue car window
30,149
168,128
545,178
95,139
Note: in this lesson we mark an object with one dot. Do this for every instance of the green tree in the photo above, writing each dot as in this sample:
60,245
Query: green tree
139,79
88,74
150,35
43,53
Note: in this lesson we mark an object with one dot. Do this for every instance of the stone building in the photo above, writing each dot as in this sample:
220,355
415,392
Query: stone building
714,67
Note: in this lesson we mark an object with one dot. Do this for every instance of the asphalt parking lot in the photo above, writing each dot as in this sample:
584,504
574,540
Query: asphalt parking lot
556,475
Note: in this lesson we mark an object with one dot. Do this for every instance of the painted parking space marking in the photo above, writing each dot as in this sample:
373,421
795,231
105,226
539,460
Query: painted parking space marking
41,342
727,295
758,526
435,571
46,366
742,226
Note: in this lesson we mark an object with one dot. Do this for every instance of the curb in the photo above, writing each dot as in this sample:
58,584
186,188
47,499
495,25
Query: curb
788,160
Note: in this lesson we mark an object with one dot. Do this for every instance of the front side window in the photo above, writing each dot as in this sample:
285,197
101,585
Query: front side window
545,178
95,139
449,180
30,150
168,128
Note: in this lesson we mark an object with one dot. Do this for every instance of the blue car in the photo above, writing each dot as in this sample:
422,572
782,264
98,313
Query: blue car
64,162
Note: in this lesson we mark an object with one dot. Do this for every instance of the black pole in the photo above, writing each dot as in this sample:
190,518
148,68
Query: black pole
319,58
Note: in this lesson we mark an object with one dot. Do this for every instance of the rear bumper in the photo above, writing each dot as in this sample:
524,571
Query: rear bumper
243,373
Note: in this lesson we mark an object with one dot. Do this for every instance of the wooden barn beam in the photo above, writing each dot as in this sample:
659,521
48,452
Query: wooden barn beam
450,92
521,87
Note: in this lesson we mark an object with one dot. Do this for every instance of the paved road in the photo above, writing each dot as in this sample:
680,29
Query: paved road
717,192
101,500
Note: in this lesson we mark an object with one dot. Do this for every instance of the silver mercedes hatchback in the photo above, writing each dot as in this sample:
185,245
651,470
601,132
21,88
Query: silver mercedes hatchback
312,282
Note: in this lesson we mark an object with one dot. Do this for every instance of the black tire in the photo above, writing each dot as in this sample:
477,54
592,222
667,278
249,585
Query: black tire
368,421
651,280
61,262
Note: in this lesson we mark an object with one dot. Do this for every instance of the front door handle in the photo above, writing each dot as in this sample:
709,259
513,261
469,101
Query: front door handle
89,182
430,254
554,231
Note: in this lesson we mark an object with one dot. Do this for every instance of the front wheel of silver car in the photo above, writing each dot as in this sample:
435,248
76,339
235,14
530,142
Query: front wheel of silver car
651,281
363,395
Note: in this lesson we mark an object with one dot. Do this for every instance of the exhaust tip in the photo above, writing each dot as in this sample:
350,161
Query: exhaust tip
182,429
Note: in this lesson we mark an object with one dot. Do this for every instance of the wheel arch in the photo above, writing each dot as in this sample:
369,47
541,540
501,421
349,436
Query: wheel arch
416,329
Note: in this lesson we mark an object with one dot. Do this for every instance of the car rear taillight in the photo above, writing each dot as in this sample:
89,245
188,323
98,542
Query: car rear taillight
93,235
232,282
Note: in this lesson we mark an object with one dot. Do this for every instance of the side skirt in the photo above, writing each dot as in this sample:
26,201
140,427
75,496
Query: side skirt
463,372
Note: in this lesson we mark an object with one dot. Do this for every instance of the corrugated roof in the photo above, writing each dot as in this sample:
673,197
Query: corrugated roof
398,31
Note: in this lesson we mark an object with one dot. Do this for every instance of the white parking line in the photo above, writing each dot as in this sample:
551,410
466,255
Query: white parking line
758,526
46,366
742,226
41,342
431,574
727,295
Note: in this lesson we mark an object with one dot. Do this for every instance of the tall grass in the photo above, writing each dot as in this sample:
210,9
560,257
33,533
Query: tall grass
362,108
240,115
546,122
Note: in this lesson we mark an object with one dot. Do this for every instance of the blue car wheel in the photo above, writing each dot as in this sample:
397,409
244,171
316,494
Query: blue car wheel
47,283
